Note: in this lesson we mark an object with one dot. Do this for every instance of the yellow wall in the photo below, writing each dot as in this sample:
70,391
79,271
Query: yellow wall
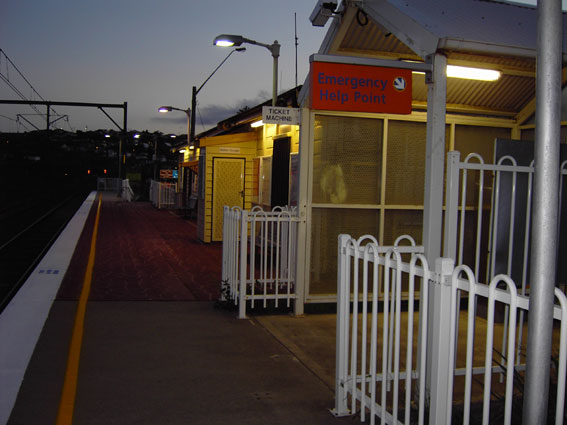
243,145
249,145
269,131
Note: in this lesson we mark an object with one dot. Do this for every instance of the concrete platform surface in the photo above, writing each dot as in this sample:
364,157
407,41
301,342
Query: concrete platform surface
172,363
157,350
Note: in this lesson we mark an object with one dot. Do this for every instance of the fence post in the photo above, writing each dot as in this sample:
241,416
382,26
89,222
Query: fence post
451,205
343,299
243,264
225,251
440,350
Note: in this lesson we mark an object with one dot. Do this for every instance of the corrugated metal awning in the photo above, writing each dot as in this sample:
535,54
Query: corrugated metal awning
192,165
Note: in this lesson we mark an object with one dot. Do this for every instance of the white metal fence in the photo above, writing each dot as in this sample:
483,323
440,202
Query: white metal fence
127,192
108,184
488,216
162,195
259,256
381,347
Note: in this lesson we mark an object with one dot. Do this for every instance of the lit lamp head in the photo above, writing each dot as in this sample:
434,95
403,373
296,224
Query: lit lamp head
227,40
164,109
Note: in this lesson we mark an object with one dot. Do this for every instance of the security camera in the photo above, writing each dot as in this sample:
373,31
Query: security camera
322,12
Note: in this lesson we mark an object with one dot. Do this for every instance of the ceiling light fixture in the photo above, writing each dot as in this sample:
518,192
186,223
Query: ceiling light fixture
467,73
258,123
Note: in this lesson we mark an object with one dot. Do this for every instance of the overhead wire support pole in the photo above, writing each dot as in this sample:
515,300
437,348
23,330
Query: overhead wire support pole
101,106
122,139
111,119
545,218
57,119
28,121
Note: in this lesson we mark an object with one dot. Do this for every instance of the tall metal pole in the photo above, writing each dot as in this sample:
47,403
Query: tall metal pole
275,49
433,201
545,218
193,110
196,91
122,138
48,117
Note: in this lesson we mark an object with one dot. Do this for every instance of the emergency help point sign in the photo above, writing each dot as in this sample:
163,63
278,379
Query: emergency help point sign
360,88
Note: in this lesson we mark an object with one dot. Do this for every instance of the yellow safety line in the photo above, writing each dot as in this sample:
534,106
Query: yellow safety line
69,392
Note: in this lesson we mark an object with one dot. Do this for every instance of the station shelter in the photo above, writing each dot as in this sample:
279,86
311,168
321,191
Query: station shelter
242,162
381,108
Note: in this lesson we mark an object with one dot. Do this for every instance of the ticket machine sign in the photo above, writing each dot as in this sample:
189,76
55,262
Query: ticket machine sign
360,88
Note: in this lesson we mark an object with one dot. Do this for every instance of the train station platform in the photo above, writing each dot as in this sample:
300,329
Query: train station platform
129,333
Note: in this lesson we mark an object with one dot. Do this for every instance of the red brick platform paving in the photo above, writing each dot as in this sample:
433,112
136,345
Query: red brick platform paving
145,254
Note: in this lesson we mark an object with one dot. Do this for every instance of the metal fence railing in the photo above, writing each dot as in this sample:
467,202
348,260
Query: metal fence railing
108,184
381,369
259,256
162,195
127,192
487,224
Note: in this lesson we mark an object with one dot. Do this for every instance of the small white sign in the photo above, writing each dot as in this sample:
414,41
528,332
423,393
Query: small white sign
280,115
229,150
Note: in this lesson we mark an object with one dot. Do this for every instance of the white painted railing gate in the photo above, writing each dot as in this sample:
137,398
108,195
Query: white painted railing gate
380,370
259,257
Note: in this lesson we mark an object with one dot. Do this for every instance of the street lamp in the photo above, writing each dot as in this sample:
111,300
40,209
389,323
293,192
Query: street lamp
236,40
165,109
197,90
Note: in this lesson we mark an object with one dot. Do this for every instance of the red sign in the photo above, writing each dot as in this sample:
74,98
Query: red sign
166,174
360,88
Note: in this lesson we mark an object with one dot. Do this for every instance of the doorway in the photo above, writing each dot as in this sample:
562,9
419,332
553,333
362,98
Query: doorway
228,189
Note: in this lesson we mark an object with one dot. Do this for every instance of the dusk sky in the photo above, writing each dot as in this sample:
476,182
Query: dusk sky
147,53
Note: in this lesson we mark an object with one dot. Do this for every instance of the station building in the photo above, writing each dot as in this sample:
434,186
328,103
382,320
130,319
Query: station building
233,164
369,164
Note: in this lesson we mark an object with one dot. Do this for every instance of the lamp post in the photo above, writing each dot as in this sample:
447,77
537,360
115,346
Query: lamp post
236,40
197,90
165,109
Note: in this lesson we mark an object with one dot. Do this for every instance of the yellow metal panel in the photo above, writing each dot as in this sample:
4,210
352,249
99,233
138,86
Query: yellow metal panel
228,189
227,139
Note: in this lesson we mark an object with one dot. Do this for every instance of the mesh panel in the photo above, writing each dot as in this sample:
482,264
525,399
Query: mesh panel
478,140
227,186
405,175
255,180
327,224
347,160
265,183
402,222
528,134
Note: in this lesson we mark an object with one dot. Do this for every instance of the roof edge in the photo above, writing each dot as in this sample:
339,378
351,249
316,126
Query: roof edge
405,29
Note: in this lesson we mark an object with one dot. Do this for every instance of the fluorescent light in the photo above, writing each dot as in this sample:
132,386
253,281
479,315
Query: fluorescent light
472,73
182,151
258,123
467,73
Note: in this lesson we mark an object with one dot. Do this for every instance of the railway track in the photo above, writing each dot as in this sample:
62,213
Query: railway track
27,236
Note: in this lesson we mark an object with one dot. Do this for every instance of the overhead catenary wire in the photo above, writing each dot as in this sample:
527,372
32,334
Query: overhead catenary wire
6,78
